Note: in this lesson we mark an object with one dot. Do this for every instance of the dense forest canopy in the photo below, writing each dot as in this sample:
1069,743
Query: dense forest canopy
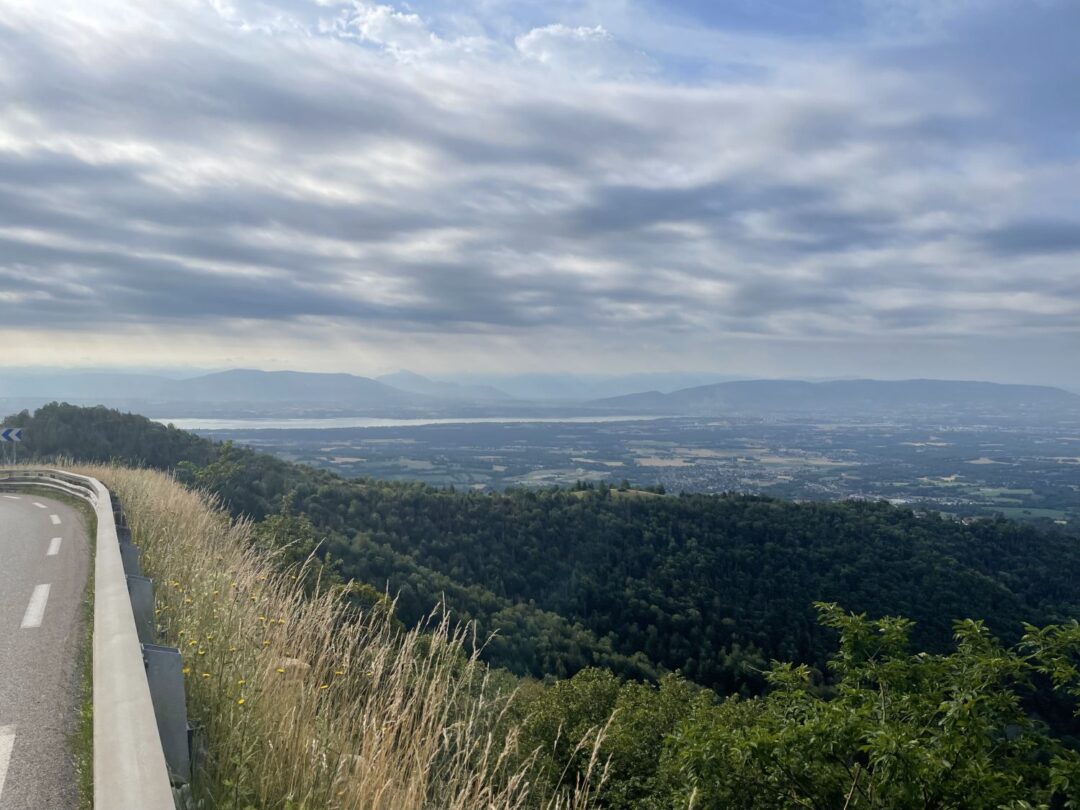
713,587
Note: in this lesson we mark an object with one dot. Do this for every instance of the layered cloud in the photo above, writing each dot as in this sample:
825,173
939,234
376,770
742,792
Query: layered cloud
583,52
614,175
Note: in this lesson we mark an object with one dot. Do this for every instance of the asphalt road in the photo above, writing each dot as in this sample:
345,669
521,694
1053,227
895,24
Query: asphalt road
44,560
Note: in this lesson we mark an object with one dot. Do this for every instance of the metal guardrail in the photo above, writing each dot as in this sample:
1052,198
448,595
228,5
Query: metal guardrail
130,770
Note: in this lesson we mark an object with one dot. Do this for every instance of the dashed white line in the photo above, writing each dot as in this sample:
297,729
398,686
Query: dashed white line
40,505
55,519
7,742
35,611
54,547
13,497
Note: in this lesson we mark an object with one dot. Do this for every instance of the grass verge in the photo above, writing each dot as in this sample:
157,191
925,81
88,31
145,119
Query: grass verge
82,740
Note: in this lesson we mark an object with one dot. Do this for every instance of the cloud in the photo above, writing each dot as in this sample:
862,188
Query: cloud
395,178
590,52
1035,237
394,29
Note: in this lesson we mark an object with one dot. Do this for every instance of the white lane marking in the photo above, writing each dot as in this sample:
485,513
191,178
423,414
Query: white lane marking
7,742
54,547
40,505
13,497
35,611
55,520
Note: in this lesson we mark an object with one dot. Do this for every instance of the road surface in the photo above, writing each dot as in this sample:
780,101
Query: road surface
44,560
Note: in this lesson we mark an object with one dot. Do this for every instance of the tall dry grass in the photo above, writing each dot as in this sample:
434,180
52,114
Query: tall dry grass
306,702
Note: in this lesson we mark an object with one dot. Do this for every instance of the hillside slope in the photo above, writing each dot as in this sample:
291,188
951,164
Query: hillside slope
714,586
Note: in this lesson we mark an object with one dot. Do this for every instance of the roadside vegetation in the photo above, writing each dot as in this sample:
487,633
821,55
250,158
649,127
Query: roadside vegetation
82,740
307,702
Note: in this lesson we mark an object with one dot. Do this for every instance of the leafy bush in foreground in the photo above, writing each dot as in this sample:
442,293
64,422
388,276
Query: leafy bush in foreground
892,730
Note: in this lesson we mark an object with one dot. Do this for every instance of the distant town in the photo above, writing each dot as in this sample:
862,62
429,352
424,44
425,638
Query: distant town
1023,470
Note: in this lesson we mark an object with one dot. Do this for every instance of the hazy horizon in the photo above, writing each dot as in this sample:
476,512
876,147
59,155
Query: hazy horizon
479,377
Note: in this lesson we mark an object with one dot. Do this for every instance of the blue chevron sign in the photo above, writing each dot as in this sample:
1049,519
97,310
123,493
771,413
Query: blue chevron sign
11,435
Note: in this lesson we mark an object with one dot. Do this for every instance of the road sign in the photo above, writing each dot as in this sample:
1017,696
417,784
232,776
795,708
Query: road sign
11,435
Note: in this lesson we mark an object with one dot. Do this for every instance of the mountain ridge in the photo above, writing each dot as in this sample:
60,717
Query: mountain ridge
410,381
843,395
237,385
406,391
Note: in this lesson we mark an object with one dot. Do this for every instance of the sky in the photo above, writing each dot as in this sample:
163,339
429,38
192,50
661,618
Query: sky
796,188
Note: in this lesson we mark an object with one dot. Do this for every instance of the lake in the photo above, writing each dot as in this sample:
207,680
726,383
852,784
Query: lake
199,425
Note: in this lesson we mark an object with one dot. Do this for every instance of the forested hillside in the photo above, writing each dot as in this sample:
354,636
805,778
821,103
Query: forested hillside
714,587
422,724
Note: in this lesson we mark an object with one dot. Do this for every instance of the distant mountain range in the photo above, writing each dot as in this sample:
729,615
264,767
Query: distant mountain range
417,384
585,387
241,389
248,385
241,392
400,389
841,396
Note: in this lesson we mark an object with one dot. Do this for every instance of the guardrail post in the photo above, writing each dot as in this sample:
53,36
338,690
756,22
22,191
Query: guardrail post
129,556
117,510
164,673
141,591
